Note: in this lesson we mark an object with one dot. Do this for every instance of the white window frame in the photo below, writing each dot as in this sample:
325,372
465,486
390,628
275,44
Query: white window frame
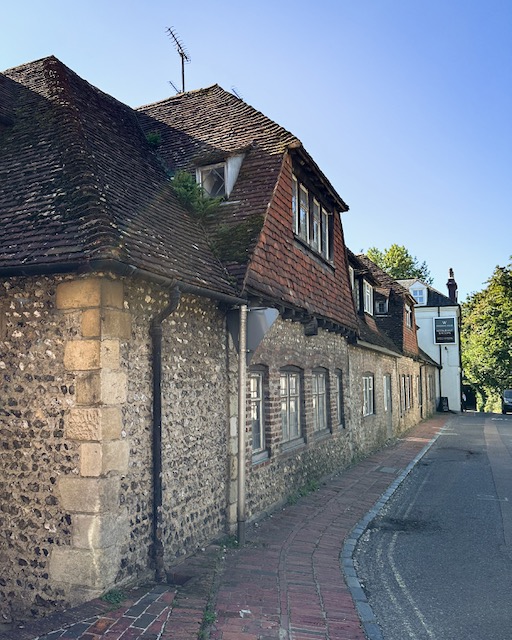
290,399
387,393
408,316
325,247
367,297
319,400
311,221
304,213
337,392
257,411
419,295
368,395
381,307
200,177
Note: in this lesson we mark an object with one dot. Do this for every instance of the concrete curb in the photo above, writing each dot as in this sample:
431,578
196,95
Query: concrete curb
364,610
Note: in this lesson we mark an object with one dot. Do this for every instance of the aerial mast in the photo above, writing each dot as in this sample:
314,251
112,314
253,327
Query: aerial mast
180,48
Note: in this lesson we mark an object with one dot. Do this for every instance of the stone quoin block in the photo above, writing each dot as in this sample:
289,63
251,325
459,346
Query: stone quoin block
82,355
88,388
116,324
91,459
93,423
109,353
90,292
91,323
96,569
97,531
114,387
89,495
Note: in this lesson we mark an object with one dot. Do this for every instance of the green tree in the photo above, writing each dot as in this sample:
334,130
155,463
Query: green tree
399,263
487,338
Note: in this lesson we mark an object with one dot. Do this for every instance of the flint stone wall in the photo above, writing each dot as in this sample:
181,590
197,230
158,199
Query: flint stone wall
36,392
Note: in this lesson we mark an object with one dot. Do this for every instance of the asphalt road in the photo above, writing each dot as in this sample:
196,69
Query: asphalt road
436,564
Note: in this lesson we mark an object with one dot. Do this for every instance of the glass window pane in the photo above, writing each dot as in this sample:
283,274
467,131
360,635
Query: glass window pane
304,214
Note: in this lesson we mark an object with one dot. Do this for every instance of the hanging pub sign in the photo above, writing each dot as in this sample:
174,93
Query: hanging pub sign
444,330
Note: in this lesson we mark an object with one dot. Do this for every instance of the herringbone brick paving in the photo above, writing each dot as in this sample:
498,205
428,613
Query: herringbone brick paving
285,584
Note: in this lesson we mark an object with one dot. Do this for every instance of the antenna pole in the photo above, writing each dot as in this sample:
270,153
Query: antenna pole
180,48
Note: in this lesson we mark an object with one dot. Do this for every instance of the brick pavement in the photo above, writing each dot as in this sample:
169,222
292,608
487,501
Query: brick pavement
287,583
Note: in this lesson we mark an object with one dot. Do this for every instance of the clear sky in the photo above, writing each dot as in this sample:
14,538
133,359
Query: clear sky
406,105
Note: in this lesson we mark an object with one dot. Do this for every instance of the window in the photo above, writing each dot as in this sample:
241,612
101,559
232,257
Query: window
368,408
219,179
406,393
387,393
213,180
351,274
367,297
315,237
319,399
256,411
290,405
312,223
303,213
381,307
408,316
337,392
419,295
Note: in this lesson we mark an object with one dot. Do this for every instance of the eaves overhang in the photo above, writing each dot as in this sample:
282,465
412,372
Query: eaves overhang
120,269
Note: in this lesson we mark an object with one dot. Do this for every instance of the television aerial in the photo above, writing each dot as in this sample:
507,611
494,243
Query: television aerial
180,48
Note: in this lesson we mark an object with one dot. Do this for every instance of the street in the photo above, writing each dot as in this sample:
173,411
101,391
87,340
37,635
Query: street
436,563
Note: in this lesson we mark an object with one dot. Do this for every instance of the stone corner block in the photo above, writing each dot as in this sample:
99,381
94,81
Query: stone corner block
98,531
116,455
116,324
114,387
82,355
112,293
89,495
91,459
78,294
91,323
85,568
93,423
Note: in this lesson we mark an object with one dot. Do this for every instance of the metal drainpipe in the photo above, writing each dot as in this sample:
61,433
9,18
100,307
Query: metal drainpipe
156,338
242,377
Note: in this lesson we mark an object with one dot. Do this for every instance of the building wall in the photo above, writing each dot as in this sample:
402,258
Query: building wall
76,424
36,392
76,419
448,355
279,475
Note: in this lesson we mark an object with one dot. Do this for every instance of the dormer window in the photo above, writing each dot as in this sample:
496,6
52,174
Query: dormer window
219,179
213,179
312,223
367,297
381,307
420,295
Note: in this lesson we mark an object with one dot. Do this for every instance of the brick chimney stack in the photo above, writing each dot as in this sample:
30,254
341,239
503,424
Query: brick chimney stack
452,287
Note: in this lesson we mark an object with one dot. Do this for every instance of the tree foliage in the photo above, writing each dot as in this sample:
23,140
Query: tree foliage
487,337
399,263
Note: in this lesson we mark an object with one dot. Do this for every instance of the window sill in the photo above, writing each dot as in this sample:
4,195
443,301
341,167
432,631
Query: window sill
302,244
259,457
321,434
292,445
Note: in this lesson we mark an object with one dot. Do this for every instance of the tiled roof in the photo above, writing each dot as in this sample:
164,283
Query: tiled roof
79,183
434,297
207,126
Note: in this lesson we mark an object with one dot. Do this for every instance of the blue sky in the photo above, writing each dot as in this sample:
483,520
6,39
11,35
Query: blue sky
406,105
